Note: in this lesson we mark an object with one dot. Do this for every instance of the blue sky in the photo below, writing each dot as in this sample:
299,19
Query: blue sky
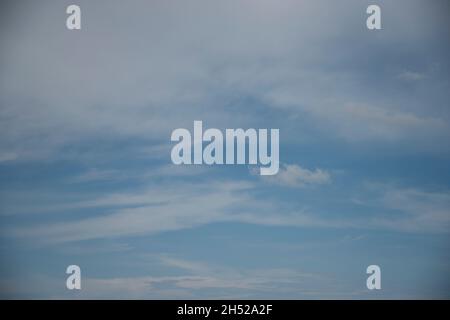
85,170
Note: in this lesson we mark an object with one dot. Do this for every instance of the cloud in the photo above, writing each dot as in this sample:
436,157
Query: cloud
175,206
292,175
161,208
97,175
422,211
124,87
375,122
193,279
184,265
107,98
357,119
411,76
404,209
166,207
169,170
8,156
252,283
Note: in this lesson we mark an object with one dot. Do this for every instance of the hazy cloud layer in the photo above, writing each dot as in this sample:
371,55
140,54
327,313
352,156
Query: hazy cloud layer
85,170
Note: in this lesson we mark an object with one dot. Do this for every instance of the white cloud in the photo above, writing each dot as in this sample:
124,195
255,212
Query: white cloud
403,209
185,265
175,206
358,119
422,211
160,208
166,207
169,170
292,175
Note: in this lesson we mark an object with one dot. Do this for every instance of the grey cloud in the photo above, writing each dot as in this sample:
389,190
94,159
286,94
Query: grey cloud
147,68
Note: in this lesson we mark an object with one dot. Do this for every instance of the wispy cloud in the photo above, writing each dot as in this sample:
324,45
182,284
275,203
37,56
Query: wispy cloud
411,76
195,280
85,147
176,206
158,209
292,175
97,175
170,207
423,211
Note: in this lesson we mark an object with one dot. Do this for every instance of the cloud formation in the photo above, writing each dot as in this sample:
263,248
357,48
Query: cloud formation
292,175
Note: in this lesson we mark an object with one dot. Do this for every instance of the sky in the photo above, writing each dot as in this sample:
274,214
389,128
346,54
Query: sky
86,176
